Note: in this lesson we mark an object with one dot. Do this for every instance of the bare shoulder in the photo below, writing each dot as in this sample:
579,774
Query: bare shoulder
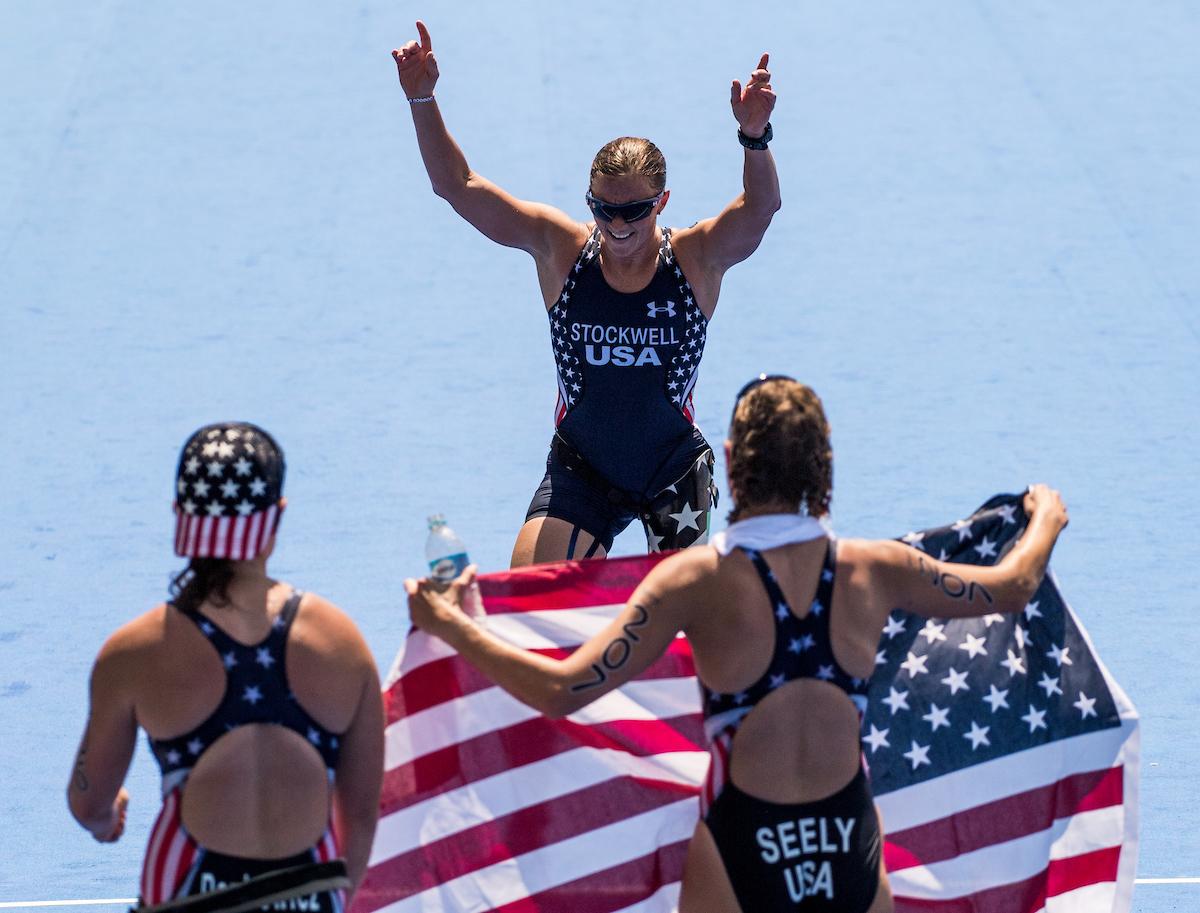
691,253
689,239
561,250
130,649
872,565
135,637
685,570
568,242
570,235
563,235
324,626
864,556
688,244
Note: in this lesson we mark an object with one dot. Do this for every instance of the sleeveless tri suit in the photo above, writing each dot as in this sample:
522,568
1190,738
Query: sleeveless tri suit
256,691
625,442
812,857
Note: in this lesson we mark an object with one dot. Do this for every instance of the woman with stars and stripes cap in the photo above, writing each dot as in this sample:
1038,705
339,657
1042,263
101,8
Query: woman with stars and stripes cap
784,622
629,304
228,490
261,704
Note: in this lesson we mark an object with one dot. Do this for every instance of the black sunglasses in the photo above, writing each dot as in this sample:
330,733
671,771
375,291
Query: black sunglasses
629,212
756,382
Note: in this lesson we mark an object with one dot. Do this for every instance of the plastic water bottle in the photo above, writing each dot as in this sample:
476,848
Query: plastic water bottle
445,552
447,557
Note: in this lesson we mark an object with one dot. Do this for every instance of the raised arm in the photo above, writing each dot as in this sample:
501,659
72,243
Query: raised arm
736,233
911,580
95,796
657,611
541,230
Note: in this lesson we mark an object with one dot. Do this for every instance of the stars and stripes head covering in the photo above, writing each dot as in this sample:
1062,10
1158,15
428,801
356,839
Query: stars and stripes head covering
227,491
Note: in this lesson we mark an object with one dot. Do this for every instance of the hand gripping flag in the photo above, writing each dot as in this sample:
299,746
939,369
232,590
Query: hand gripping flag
487,805
1002,755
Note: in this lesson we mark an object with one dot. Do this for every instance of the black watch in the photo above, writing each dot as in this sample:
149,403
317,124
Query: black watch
760,143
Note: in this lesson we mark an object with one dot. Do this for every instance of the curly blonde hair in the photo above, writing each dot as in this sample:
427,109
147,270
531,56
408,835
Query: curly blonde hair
779,449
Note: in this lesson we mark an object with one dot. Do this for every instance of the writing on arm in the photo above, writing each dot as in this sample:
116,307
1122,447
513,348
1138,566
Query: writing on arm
904,577
948,583
617,653
79,778
94,793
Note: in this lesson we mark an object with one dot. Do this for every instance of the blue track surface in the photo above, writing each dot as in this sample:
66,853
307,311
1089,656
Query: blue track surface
986,264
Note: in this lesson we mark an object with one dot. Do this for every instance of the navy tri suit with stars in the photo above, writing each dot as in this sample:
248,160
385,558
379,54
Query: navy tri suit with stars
256,691
626,445
821,856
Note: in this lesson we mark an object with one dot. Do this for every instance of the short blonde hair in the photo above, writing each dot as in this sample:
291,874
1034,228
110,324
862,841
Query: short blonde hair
631,155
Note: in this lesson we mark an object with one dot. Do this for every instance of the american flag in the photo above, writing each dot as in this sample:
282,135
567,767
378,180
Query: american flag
1003,756
1006,778
487,805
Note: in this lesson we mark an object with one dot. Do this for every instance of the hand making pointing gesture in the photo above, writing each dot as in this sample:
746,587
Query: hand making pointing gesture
753,104
416,65
604,470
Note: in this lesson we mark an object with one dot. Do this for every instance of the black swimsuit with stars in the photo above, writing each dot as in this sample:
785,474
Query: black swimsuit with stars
627,363
256,691
625,443
820,856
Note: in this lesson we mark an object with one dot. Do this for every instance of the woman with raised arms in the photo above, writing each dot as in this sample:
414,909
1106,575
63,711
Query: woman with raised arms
629,304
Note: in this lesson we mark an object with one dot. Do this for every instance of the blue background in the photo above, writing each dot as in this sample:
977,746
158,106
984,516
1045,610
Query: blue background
986,264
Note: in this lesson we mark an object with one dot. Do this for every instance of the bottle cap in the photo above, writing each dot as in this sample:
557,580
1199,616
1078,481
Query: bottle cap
436,520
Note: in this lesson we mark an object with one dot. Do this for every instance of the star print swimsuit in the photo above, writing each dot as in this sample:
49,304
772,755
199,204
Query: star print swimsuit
818,856
256,691
625,443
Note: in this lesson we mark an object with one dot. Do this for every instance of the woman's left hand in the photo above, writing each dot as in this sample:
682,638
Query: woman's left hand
432,606
752,105
113,829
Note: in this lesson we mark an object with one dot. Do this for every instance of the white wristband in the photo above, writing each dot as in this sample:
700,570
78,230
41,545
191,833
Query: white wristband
420,101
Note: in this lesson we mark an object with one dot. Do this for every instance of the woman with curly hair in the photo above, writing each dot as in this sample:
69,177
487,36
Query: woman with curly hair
783,622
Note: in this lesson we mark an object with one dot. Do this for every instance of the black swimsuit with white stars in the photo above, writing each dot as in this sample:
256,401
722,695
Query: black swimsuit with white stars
256,691
770,850
627,364
803,649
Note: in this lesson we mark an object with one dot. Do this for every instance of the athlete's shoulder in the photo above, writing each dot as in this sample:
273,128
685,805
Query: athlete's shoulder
686,241
687,568
571,242
323,625
132,644
872,555
146,631
871,568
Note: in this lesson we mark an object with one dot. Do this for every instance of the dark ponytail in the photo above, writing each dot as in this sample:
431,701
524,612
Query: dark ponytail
202,579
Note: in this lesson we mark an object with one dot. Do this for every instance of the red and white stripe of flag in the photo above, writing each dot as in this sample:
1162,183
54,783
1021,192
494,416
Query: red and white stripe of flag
489,806
1043,829
1053,828
169,855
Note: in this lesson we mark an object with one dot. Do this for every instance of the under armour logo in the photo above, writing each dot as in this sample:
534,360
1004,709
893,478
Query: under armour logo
653,311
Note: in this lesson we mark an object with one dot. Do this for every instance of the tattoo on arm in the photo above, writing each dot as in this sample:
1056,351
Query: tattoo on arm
616,654
951,584
79,779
